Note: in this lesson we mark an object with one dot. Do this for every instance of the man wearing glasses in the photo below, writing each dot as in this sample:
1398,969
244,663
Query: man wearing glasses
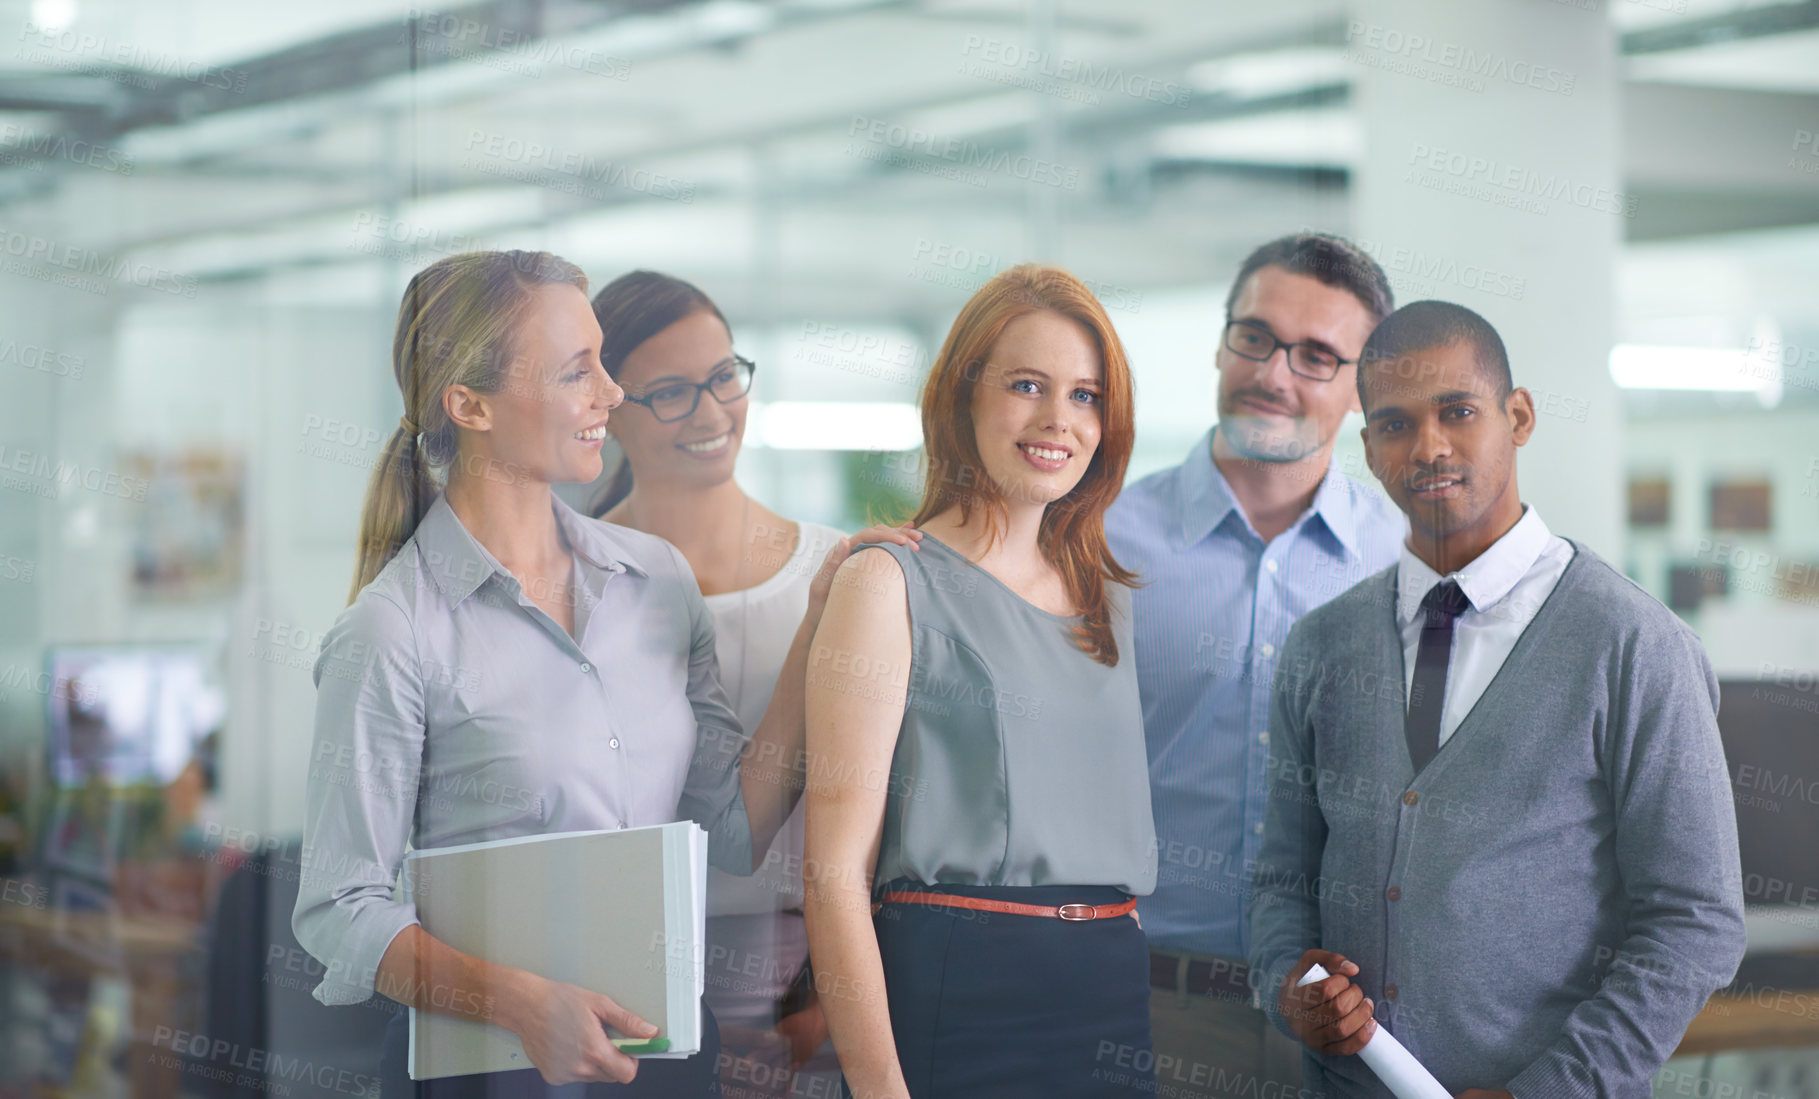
1253,530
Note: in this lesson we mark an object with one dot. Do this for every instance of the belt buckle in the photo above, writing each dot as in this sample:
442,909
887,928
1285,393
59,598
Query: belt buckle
1081,912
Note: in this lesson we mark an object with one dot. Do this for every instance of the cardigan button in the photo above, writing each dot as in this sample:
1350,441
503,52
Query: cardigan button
1410,798
1395,894
1389,992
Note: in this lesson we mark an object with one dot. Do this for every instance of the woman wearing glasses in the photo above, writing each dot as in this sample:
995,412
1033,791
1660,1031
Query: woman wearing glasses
976,755
670,348
507,667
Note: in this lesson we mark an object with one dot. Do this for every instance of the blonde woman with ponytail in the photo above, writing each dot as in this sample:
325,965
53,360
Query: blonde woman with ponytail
509,667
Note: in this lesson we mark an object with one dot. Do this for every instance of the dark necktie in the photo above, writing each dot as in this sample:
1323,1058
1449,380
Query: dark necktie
1427,695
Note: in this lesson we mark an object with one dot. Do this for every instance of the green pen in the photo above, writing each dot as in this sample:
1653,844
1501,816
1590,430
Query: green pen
642,1045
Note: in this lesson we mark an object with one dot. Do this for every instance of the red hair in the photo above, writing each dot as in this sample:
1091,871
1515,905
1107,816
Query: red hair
1072,533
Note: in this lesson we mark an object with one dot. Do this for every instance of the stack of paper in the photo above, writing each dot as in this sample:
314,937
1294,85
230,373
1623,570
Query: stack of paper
1390,1059
622,912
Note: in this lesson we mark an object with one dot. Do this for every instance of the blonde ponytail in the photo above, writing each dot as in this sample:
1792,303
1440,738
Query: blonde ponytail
454,328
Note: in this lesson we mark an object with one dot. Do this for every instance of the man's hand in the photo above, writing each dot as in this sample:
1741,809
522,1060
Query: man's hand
1330,1016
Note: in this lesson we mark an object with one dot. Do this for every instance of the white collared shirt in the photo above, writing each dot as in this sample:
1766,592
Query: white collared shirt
1506,586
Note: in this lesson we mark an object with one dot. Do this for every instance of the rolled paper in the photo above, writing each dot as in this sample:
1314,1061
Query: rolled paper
1389,1059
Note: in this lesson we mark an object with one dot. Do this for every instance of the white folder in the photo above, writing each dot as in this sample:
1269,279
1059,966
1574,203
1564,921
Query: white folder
620,912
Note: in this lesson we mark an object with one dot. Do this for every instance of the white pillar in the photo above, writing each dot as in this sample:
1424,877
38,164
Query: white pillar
1490,178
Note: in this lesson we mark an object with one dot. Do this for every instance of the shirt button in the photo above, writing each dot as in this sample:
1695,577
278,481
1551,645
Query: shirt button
613,743
1394,893
587,667
1389,992
1257,828
1268,649
1270,565
1410,798
1263,738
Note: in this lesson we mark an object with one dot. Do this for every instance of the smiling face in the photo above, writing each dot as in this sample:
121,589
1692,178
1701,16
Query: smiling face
1443,443
547,419
1036,414
700,449
1267,412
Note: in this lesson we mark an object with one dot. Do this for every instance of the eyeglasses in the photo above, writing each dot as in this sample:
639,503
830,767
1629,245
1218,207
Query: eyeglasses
674,401
1257,343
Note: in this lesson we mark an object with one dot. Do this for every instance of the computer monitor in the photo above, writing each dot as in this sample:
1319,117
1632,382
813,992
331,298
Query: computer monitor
1771,746
129,714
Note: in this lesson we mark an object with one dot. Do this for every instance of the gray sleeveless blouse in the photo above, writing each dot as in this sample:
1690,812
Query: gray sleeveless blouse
1021,759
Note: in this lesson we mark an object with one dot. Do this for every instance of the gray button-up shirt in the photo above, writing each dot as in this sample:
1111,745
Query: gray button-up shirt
451,709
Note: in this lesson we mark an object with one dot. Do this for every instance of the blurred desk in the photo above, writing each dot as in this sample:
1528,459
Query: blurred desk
1765,1018
1773,1002
158,955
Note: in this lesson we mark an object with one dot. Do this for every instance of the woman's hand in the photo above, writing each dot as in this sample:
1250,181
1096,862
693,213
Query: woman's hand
563,1030
823,582
805,1031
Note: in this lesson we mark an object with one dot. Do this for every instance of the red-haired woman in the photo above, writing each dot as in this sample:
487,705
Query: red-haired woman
977,772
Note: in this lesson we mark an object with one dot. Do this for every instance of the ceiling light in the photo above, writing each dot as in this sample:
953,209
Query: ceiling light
1328,137
53,16
1271,72
834,425
1756,369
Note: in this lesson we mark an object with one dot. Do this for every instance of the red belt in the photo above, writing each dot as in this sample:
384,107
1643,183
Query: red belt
1069,912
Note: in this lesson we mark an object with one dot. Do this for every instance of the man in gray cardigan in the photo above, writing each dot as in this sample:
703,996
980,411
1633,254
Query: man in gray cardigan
1499,813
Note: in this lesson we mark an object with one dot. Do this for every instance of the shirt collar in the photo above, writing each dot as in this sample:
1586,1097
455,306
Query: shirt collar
1487,580
598,543
1206,500
459,564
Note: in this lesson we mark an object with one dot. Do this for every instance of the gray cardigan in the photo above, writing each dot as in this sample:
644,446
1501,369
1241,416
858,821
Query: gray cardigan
1550,903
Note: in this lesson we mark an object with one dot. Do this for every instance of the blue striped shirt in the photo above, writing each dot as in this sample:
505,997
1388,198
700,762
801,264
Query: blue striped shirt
1215,608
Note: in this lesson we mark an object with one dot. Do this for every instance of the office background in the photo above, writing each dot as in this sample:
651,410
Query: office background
208,213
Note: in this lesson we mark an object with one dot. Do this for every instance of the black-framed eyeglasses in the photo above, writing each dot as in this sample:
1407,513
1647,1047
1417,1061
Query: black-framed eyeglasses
673,401
1257,343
